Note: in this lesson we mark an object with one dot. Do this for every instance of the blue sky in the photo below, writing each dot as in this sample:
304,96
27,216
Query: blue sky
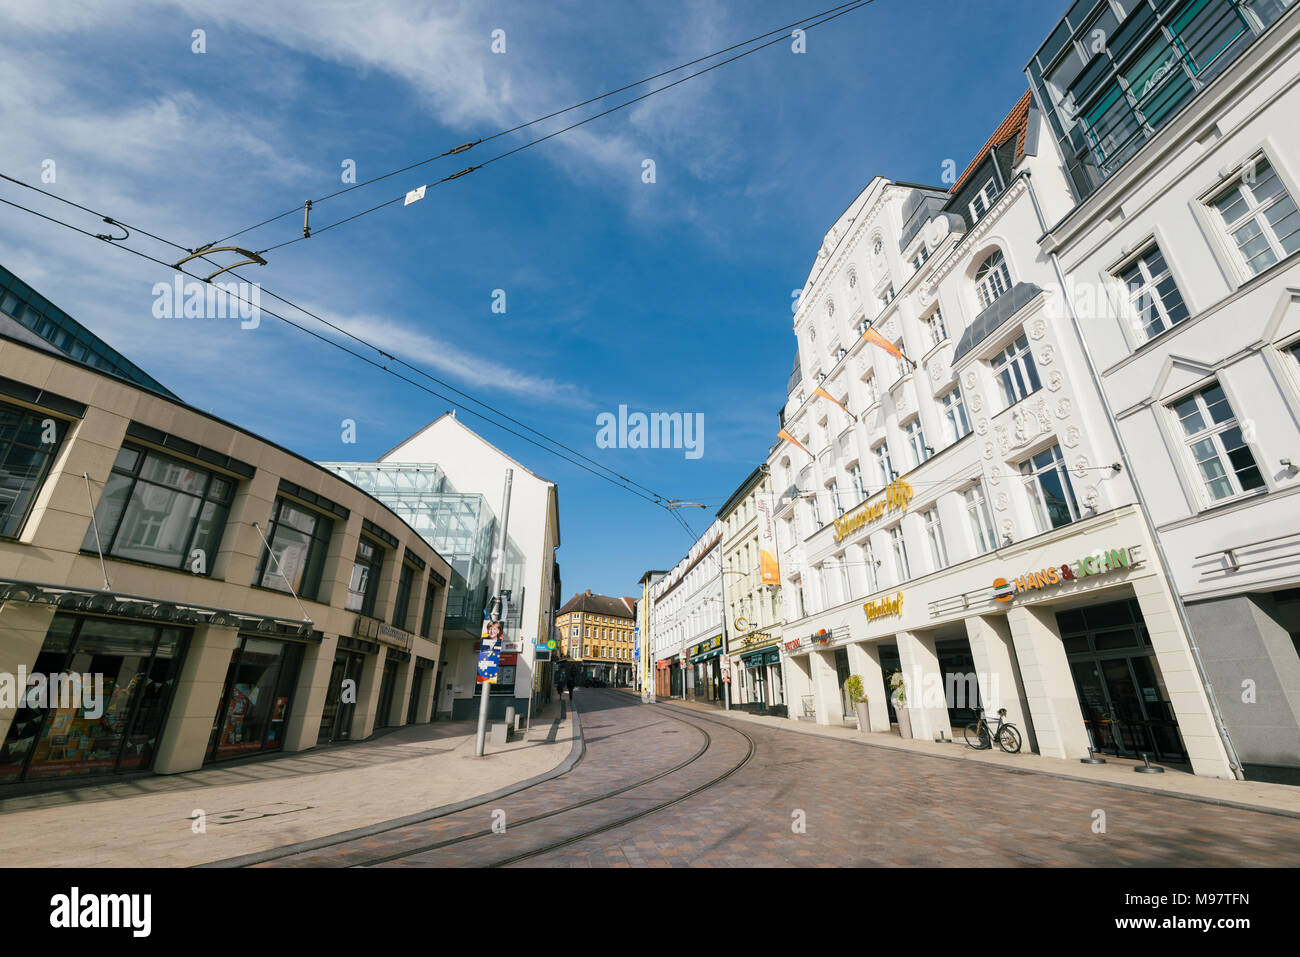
672,296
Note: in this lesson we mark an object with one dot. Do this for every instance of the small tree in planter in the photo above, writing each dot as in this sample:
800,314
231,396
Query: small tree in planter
898,692
858,696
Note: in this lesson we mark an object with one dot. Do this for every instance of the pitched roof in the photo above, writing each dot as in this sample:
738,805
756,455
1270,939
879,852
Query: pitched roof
1015,125
596,605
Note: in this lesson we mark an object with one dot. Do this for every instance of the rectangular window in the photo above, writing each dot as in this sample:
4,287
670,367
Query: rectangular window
954,413
1050,491
162,511
298,538
430,603
1154,302
859,488
937,330
1016,372
916,442
405,581
869,566
1260,216
1216,445
901,566
981,520
815,511
934,532
25,460
363,585
922,255
889,296
884,464
983,199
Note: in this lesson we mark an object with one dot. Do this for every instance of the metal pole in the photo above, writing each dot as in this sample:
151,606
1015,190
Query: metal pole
485,688
1166,568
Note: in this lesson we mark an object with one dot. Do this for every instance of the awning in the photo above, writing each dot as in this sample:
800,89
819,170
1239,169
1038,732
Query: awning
757,658
716,652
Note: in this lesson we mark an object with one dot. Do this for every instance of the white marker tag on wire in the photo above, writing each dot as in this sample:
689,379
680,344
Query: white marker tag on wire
415,195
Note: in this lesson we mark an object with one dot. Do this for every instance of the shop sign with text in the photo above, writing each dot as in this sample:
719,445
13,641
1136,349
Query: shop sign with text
894,499
1098,563
885,608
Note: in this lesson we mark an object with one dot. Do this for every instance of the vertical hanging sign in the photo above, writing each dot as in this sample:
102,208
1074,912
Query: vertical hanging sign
769,569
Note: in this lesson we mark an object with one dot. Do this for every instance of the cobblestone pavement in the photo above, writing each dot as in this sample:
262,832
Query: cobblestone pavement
768,797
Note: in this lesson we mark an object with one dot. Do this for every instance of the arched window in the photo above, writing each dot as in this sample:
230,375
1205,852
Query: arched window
853,278
992,279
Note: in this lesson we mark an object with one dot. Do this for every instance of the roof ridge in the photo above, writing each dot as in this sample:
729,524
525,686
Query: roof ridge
1016,123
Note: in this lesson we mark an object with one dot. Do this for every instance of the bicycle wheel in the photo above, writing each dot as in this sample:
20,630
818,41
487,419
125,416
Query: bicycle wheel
977,736
1009,739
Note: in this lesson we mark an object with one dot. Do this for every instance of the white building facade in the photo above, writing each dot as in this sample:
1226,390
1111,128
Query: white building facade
956,516
1182,255
687,618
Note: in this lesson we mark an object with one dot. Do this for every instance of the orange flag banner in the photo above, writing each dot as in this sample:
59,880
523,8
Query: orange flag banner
826,395
876,339
793,441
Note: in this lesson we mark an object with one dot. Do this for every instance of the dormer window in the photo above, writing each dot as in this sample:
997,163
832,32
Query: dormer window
992,279
984,199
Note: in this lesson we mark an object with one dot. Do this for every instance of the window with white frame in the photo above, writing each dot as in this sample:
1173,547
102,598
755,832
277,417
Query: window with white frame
1215,443
883,463
1050,493
900,554
916,442
922,255
900,364
1016,372
833,492
869,387
846,585
869,566
935,328
815,512
954,414
1154,302
983,200
855,476
992,279
889,296
1260,217
981,519
934,533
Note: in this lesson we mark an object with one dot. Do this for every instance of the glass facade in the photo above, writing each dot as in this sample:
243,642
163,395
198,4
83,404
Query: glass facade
1114,72
298,539
63,728
255,702
459,526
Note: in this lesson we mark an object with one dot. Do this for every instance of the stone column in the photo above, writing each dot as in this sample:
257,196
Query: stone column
195,700
402,692
999,675
367,710
1187,697
864,660
1049,686
926,704
825,687
309,695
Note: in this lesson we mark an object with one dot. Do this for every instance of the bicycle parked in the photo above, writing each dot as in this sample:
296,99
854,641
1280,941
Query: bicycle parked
981,734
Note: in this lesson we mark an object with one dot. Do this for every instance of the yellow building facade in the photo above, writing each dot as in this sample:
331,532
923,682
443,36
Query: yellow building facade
595,639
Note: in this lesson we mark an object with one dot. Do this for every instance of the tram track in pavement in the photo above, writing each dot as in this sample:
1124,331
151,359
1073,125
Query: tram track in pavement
407,841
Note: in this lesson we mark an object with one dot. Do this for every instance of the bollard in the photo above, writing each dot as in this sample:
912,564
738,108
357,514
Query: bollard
510,715
1148,767
1092,758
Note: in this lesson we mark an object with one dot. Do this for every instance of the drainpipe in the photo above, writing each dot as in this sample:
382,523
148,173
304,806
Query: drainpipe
1233,760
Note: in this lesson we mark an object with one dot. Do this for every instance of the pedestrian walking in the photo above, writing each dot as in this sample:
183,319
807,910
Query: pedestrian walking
571,687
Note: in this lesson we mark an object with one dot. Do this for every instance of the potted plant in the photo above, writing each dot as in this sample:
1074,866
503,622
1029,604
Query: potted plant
898,692
858,696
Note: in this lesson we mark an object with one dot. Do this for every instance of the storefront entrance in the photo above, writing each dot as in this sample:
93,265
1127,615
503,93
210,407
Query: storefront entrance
387,685
417,682
254,708
842,674
1122,694
56,733
336,717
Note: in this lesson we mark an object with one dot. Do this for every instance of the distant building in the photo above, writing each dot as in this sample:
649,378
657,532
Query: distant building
595,638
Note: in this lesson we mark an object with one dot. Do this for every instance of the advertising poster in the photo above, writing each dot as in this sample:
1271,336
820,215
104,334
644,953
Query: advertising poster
769,570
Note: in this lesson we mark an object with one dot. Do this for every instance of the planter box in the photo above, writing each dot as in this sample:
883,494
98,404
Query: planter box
904,723
864,717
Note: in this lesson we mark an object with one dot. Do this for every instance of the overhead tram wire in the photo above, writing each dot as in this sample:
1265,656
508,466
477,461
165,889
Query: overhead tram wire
541,119
344,332
653,498
542,139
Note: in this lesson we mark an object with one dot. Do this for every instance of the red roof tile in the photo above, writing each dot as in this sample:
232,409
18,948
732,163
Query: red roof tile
1015,125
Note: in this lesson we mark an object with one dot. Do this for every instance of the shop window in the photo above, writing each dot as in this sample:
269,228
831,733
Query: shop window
297,540
254,708
1050,492
162,511
1214,441
29,441
56,733
1259,216
363,585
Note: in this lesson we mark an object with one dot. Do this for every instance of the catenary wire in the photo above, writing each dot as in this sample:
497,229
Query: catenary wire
540,119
